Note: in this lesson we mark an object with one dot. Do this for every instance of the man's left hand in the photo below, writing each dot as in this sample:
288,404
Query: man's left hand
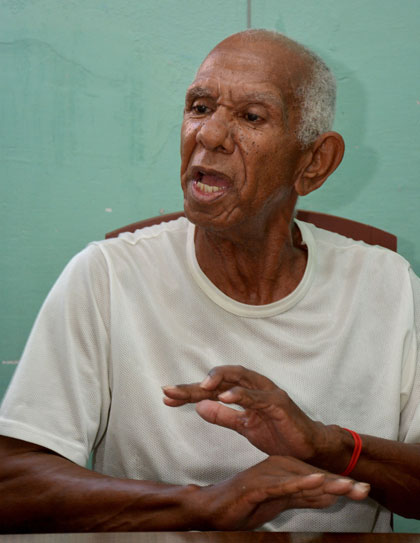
271,421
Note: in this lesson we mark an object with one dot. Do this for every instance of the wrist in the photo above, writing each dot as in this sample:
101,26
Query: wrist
355,454
197,507
334,448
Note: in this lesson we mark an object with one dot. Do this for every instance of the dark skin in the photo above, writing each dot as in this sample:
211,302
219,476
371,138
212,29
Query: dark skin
259,260
60,496
273,423
237,133
242,171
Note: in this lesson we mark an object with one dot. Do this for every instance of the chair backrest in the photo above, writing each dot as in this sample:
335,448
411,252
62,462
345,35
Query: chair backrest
346,227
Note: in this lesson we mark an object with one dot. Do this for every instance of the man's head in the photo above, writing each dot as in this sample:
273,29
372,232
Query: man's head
256,129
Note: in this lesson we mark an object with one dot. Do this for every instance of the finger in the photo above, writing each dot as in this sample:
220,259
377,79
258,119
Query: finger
252,399
293,465
319,498
297,484
313,502
173,403
337,486
219,414
186,393
360,491
236,375
346,487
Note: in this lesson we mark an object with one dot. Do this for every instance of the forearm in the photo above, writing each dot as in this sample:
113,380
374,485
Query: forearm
44,492
392,468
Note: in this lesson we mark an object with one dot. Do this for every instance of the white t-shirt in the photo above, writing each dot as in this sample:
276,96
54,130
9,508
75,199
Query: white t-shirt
129,315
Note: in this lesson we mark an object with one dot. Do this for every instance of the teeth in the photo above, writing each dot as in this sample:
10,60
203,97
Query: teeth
206,188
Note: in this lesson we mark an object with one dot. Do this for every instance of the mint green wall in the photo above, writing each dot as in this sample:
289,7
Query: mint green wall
91,95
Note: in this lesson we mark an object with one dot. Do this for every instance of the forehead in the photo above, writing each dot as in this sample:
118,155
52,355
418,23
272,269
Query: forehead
265,68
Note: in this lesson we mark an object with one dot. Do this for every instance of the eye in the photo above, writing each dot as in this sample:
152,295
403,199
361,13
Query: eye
252,117
200,109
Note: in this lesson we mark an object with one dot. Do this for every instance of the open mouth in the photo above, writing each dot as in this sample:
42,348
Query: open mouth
209,183
207,188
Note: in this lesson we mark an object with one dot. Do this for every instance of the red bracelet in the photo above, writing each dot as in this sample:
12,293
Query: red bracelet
356,452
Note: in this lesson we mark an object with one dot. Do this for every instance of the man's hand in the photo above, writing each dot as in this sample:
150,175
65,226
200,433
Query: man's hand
260,493
271,421
60,496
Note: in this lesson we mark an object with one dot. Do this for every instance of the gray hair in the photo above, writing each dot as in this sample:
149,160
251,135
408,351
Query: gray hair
315,96
317,101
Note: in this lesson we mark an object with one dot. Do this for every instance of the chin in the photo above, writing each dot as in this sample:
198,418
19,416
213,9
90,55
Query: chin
199,217
212,222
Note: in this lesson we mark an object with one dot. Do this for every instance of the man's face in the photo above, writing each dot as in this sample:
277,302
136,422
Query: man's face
239,153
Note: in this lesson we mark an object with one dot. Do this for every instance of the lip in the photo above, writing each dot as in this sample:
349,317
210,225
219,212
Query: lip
197,172
202,196
219,181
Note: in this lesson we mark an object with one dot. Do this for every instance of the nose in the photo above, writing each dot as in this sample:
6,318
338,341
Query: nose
215,133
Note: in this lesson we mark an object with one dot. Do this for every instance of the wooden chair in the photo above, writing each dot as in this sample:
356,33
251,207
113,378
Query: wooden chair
346,227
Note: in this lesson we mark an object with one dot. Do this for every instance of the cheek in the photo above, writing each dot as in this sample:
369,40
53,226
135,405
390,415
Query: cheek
189,130
268,167
258,156
256,144
188,141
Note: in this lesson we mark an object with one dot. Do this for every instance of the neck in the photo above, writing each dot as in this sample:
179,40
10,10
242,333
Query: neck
253,265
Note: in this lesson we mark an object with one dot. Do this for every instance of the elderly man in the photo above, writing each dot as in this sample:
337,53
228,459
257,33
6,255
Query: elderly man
301,333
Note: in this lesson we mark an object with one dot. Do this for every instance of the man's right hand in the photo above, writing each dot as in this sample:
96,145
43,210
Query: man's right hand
44,492
260,493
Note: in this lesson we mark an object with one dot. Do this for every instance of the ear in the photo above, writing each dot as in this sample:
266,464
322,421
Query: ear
319,162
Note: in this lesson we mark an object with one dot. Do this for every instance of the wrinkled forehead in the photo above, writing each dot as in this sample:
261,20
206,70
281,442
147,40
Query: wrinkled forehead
258,63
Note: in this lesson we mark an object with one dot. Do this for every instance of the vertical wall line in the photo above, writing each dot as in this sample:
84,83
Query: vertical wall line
248,14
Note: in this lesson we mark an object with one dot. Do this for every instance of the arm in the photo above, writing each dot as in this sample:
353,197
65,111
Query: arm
44,492
276,425
392,468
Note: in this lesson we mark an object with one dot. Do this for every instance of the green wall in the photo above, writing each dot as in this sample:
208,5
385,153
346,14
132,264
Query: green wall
91,95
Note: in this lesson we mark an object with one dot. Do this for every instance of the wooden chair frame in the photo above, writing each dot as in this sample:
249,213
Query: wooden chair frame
340,225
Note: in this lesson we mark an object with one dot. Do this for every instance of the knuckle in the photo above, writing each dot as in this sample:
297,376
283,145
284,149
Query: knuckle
218,371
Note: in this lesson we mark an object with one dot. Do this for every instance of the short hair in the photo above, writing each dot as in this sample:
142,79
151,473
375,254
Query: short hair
316,96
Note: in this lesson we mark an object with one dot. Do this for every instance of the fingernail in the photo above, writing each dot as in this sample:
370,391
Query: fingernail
344,480
362,486
205,382
227,395
313,475
169,388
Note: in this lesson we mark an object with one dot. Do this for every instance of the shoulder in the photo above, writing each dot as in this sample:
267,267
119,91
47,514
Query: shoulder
151,247
160,234
341,249
376,276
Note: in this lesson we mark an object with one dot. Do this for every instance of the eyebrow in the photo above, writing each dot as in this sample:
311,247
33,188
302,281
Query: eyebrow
264,97
198,92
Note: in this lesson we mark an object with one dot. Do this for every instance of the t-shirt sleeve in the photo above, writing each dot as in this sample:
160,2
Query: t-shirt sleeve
59,396
410,415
